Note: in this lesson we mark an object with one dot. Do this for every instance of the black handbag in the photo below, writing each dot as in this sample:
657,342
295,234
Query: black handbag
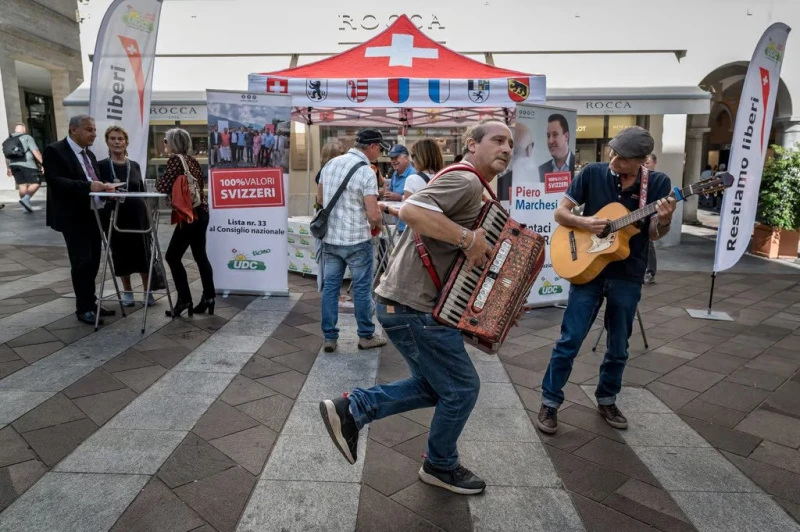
319,225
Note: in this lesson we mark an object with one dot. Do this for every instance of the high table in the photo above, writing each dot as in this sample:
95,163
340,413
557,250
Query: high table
151,199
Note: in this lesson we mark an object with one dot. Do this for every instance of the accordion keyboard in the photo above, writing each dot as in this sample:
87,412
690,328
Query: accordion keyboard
483,302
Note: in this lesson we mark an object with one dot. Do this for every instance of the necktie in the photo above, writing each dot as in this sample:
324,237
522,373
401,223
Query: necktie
90,170
89,167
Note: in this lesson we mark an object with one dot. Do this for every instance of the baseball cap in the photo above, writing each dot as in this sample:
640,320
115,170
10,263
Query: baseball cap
371,136
398,149
633,143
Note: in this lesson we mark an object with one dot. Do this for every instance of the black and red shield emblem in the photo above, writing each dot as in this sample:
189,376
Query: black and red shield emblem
519,89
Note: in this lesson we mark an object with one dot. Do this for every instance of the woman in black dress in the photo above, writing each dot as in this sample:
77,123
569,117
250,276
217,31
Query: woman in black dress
130,252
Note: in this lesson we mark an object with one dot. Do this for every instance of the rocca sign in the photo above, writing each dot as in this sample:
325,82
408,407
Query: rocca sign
177,112
373,22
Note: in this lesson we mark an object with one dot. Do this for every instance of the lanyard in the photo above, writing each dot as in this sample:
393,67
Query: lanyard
128,171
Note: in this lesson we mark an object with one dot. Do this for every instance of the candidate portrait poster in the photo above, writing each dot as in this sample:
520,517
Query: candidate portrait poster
542,168
248,192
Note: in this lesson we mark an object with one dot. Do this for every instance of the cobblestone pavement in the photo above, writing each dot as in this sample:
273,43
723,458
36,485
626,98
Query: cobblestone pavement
211,423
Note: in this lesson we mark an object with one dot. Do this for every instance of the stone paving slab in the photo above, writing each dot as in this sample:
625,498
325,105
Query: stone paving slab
131,452
72,501
516,509
286,505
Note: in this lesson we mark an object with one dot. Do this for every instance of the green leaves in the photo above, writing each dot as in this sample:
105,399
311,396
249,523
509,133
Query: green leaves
779,197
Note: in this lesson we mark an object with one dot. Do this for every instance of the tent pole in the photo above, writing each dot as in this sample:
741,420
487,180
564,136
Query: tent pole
309,208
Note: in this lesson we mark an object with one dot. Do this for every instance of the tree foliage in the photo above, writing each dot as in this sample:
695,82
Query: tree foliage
779,197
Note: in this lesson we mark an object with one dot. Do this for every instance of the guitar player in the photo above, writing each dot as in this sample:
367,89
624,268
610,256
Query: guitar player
621,180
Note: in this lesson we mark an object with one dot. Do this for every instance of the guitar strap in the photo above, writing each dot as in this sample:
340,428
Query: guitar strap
421,249
643,188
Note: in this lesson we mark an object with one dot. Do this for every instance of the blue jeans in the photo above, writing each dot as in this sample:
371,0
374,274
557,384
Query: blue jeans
359,258
442,376
584,302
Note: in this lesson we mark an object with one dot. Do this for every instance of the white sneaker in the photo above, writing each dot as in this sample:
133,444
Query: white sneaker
127,299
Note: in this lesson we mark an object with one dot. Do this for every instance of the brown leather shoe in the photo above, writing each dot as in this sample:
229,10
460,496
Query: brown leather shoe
547,420
613,416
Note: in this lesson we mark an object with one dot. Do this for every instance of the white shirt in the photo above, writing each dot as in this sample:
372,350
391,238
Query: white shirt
414,183
348,224
77,149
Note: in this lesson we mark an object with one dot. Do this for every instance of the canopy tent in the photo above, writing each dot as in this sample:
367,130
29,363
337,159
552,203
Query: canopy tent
400,77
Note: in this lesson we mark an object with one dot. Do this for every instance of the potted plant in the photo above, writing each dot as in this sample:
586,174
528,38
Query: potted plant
775,235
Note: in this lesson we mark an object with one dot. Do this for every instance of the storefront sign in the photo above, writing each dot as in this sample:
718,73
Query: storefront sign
361,23
636,106
178,112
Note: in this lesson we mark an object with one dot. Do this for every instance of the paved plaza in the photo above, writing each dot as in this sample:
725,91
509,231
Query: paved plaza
211,423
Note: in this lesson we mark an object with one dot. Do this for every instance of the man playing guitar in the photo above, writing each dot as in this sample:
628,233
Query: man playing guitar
625,180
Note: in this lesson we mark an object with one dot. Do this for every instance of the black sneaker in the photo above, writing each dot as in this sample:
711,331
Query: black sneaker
460,480
341,426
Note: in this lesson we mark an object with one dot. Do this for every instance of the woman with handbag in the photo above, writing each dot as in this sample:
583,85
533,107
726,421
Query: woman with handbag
192,222
130,252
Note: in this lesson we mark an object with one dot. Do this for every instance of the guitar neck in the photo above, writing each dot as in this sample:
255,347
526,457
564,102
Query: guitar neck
644,212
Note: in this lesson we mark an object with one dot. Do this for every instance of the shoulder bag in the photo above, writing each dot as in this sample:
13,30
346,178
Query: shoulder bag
319,225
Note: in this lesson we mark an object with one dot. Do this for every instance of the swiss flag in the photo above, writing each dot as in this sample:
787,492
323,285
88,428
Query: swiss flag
278,86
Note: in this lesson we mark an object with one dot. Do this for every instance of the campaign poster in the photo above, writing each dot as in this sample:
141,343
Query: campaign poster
542,168
248,142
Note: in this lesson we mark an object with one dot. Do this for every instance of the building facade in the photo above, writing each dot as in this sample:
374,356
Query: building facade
40,65
674,67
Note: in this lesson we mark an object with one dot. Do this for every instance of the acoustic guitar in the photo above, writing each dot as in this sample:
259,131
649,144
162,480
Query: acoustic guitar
579,256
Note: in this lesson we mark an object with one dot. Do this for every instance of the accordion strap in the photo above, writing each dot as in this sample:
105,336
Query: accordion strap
421,249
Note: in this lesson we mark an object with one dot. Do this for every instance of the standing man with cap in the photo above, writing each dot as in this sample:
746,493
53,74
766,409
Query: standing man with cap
403,168
348,241
622,180
652,260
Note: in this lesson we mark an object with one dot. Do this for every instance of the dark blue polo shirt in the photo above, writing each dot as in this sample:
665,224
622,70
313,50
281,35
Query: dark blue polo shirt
595,187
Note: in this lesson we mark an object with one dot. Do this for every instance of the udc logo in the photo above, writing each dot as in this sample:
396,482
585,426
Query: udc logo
249,97
241,262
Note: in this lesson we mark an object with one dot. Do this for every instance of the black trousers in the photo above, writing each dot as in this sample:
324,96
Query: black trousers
193,236
84,249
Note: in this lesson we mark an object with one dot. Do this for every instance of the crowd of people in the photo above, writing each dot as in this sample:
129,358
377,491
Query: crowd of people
73,172
247,146
437,217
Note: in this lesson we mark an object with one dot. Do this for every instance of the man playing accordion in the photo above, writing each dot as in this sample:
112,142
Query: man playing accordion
442,374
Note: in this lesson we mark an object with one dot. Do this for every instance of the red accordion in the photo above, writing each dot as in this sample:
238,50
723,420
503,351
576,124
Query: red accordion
483,303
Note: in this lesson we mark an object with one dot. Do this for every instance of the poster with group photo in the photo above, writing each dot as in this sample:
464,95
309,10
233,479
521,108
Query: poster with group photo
542,168
248,145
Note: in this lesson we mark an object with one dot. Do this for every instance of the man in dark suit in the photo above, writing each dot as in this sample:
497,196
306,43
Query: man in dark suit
71,172
562,159
214,141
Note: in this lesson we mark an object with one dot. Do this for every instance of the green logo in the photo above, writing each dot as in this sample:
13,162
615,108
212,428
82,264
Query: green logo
548,289
136,20
292,266
306,269
299,254
773,52
291,240
305,242
242,263
304,231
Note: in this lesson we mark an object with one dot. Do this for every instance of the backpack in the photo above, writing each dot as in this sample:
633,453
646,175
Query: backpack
425,177
194,190
13,150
